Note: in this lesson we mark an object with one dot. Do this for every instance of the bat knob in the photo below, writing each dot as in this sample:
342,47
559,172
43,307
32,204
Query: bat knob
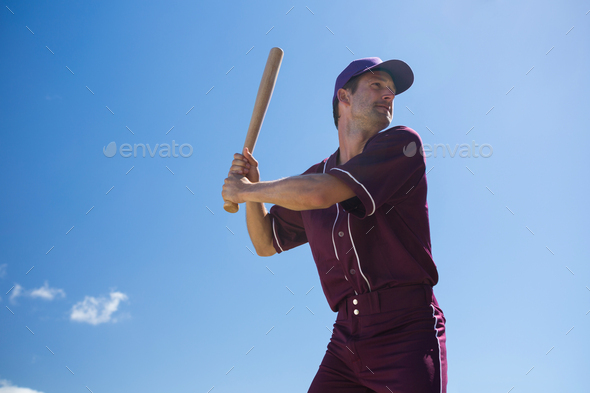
231,207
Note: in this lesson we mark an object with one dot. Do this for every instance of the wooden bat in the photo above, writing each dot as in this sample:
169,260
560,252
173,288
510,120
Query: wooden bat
267,85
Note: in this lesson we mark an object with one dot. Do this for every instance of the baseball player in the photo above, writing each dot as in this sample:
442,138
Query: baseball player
364,213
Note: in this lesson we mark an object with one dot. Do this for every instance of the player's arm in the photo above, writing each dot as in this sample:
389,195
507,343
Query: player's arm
257,219
260,228
304,192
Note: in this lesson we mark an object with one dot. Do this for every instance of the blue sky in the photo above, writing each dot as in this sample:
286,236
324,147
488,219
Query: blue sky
153,287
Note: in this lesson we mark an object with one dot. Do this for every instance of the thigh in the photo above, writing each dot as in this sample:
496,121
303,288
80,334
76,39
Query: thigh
334,376
410,358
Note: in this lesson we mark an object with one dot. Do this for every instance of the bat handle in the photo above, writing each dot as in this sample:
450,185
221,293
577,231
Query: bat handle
231,207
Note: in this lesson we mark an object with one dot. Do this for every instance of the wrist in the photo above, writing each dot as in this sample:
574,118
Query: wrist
247,192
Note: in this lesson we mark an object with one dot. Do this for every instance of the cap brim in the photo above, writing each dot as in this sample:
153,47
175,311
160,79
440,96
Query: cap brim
400,72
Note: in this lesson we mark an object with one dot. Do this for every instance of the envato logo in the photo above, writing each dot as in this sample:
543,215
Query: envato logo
125,150
466,151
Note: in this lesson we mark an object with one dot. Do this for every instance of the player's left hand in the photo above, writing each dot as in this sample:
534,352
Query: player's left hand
233,185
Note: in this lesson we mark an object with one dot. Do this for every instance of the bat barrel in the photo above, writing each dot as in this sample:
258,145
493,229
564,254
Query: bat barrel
265,90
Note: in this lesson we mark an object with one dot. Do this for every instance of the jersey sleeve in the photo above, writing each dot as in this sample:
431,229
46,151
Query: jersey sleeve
288,230
387,169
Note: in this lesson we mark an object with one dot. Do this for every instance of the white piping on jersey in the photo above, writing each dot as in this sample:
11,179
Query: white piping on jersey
357,255
334,226
336,220
372,201
275,234
438,341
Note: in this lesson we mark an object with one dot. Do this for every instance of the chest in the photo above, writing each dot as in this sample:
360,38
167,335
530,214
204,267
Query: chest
334,228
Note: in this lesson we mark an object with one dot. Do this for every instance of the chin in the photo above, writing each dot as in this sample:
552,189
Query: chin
385,124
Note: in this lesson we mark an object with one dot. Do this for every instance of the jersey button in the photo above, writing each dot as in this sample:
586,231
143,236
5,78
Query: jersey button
355,302
340,233
352,271
356,312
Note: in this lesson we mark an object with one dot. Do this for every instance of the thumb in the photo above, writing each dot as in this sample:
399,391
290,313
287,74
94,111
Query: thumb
250,157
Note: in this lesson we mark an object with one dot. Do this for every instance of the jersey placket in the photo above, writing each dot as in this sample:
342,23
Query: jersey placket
360,281
343,248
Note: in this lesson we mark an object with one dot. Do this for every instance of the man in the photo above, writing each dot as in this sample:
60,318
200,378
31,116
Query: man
364,213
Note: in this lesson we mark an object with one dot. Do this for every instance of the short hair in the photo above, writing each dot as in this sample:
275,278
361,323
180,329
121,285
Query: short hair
351,85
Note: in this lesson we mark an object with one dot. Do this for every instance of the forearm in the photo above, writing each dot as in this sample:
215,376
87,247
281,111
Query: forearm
304,192
259,228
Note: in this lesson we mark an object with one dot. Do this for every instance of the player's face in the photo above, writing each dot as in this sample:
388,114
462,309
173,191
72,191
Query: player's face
372,103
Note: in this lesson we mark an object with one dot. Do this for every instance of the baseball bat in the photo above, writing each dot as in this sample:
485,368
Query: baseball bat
267,85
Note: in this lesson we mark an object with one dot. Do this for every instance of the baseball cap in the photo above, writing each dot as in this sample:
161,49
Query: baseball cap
400,72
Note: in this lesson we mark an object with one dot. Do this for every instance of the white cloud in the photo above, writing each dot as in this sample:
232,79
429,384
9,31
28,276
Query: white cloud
97,310
44,292
8,387
47,293
3,270
16,292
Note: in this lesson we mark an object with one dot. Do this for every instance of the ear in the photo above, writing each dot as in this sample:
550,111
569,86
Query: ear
343,95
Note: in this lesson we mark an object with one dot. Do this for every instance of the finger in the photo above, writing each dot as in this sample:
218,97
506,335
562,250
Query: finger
241,163
247,154
238,168
238,174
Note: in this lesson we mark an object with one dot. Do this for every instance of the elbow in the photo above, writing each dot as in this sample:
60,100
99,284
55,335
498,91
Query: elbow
267,252
261,254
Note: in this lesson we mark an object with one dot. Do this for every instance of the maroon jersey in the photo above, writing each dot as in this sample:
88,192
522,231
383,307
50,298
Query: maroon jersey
377,239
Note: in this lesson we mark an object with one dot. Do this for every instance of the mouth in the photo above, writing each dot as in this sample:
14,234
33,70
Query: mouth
386,107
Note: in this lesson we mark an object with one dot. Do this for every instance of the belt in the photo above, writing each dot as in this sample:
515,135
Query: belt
386,299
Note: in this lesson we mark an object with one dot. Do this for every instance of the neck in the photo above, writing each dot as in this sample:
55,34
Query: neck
352,141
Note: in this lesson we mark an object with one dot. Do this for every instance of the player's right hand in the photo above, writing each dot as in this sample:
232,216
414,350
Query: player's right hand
245,165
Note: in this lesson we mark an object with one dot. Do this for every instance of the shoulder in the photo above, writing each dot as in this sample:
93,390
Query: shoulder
399,133
394,137
315,168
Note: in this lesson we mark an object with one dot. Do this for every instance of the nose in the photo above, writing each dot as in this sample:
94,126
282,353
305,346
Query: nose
388,93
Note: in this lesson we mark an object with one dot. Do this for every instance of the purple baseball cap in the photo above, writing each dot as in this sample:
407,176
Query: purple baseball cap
400,72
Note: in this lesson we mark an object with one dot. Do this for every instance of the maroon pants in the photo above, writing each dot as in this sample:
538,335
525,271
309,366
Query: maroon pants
390,341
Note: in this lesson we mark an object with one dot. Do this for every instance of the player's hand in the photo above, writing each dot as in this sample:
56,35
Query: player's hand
245,165
233,185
